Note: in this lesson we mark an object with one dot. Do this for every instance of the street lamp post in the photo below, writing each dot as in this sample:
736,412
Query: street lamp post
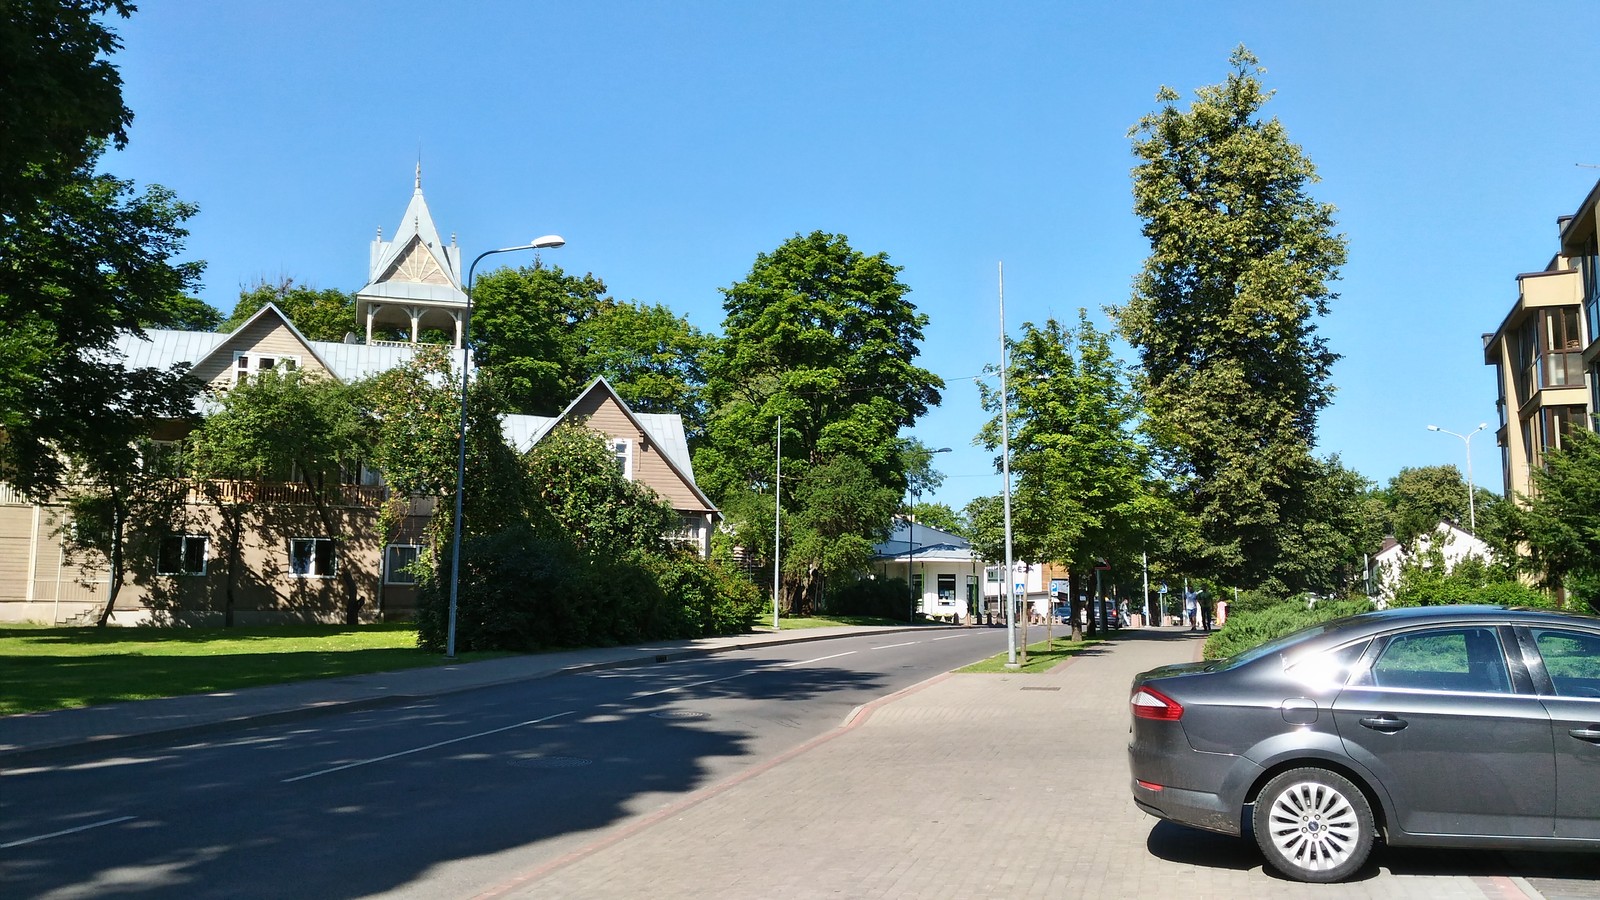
911,544
1005,475
1472,506
549,240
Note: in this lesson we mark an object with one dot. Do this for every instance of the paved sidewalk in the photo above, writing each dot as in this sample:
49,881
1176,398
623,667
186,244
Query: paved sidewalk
967,786
36,737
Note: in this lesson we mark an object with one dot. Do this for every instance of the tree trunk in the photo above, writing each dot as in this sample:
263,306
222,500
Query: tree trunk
114,579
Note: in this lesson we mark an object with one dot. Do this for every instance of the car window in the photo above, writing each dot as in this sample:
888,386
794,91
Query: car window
1572,660
1329,667
1464,659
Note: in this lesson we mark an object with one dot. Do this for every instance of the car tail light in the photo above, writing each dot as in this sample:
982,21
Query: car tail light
1149,703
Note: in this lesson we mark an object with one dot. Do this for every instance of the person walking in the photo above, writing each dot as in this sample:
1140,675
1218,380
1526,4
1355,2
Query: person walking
1202,600
1191,609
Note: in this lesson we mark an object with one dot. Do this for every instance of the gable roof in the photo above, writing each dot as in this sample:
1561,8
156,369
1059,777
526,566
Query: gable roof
665,431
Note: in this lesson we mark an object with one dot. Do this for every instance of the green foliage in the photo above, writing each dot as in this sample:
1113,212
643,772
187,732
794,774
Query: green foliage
986,527
940,516
525,326
1081,491
650,356
320,315
1333,522
1560,522
1246,629
84,261
590,501
1419,498
1224,319
1423,581
823,337
888,598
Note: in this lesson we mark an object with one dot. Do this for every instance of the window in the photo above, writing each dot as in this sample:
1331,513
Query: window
247,364
947,589
1563,348
1466,660
621,451
311,557
1572,660
397,561
1528,359
1589,265
1556,424
182,554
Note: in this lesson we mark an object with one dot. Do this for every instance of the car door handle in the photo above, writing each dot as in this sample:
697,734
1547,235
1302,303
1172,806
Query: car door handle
1590,734
1386,724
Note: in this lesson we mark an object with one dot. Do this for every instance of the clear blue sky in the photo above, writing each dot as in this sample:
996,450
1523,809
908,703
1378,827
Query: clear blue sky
671,143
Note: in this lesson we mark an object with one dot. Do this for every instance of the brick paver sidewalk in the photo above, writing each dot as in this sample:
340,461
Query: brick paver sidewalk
968,786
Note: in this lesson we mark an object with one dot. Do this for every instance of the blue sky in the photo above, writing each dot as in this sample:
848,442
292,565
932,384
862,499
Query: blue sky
671,143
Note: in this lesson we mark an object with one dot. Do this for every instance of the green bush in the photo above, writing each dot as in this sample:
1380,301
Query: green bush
880,598
1244,630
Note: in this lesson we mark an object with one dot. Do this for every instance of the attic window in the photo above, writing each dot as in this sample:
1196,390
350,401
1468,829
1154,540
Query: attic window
247,364
621,450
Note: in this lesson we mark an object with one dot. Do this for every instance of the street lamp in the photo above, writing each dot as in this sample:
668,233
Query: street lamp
1472,506
1005,467
911,542
549,240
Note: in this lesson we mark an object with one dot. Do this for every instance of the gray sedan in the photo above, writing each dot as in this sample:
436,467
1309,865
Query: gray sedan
1446,726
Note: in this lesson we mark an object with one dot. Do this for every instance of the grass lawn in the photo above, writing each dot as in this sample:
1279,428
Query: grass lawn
61,668
1042,657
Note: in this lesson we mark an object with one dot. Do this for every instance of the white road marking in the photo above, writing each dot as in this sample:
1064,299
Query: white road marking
949,637
458,740
803,662
46,837
686,686
892,646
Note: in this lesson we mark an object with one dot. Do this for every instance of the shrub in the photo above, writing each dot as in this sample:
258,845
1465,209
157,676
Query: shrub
1251,629
888,598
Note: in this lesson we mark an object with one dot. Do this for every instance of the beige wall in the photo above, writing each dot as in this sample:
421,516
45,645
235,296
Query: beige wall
600,412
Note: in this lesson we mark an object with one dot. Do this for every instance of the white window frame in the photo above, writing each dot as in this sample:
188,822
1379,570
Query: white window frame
247,364
391,571
622,452
184,542
313,570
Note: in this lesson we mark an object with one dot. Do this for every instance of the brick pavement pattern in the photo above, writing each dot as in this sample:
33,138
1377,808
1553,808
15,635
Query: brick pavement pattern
967,786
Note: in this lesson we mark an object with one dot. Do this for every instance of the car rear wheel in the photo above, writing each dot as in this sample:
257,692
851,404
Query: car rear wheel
1313,825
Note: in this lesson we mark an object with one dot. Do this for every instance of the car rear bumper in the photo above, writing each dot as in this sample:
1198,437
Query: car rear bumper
1196,809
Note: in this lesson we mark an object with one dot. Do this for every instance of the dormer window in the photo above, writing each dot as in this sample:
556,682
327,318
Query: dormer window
247,364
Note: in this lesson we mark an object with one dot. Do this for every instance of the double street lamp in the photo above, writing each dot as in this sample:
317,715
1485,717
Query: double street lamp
1472,489
548,241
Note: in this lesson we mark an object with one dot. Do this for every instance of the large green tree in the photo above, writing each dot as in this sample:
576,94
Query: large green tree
651,357
1224,317
85,256
525,324
1081,495
823,337
320,315
1419,497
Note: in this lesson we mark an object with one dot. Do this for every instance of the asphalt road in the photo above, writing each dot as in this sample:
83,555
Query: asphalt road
436,798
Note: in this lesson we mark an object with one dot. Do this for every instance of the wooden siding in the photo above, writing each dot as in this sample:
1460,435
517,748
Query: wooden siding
268,336
599,412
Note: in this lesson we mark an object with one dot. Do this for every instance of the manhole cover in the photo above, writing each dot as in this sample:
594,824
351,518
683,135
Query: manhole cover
677,714
551,762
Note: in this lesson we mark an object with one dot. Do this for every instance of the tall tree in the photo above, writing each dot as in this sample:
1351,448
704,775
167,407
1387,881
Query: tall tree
1418,498
1224,315
823,337
652,358
1560,522
320,315
84,255
525,325
1080,496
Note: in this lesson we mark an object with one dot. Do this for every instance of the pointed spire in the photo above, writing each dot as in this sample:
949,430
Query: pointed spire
419,175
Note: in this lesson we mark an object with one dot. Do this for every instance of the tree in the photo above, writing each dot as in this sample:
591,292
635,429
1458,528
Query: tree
940,516
525,326
288,426
1324,542
186,313
590,502
1418,498
83,265
1080,496
823,337
1560,521
651,357
320,315
1224,313
118,484
84,256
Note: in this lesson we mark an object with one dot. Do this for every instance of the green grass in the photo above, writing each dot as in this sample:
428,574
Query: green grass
61,668
1042,657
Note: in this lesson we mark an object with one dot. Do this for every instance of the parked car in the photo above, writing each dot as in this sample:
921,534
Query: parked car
1444,726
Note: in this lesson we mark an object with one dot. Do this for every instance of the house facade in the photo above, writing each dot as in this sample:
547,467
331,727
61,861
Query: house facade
1546,352
262,551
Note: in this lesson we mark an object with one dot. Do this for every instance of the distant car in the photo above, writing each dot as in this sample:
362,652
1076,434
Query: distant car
1444,726
1113,617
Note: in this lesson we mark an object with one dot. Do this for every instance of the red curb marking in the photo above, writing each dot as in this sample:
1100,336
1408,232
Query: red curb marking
1499,887
857,717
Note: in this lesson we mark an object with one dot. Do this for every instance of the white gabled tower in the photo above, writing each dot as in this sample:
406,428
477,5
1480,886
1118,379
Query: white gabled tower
415,280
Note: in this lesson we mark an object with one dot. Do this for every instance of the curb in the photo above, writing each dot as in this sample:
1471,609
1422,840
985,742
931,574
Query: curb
58,751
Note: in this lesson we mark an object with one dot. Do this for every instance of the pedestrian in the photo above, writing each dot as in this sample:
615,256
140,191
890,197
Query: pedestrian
1203,604
1191,609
